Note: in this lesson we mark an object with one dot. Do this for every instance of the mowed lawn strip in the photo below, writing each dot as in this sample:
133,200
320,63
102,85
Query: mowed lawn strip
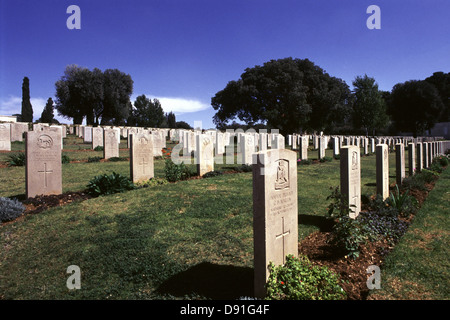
419,266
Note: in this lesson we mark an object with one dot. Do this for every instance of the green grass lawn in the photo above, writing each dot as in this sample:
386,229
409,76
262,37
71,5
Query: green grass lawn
419,266
160,242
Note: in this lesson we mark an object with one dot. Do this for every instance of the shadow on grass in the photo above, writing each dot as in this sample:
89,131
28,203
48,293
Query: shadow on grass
323,223
212,281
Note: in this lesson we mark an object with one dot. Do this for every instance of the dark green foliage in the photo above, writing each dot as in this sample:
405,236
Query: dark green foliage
326,159
175,172
348,233
379,226
402,202
116,159
304,162
420,100
288,94
171,120
212,174
147,113
109,184
98,148
299,279
94,94
369,107
10,209
65,158
94,159
16,159
27,108
47,115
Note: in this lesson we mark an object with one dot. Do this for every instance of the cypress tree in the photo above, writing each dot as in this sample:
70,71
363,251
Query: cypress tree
27,109
47,114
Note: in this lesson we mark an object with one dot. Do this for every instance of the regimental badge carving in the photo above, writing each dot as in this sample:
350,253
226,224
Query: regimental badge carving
282,181
2,127
143,140
44,141
354,160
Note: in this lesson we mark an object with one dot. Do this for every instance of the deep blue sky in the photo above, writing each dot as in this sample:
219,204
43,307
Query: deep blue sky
184,51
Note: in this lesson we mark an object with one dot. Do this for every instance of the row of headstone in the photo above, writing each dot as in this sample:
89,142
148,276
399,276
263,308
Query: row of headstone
275,198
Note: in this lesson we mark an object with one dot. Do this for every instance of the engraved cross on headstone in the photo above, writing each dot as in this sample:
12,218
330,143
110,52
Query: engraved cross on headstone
45,172
282,236
143,163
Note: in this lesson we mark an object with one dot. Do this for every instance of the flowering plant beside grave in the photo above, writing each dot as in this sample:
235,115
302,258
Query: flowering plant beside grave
299,279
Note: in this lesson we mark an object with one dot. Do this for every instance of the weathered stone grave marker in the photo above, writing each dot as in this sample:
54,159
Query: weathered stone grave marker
275,211
350,169
382,170
141,157
43,173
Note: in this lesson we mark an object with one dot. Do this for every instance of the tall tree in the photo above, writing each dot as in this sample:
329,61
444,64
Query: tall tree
96,95
27,108
415,106
47,115
171,120
148,113
441,81
287,94
369,107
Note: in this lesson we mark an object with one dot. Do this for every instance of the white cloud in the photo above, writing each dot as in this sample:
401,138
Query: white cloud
178,105
13,105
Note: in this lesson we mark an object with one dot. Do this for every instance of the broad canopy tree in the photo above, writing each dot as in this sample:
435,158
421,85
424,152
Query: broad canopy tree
369,106
288,94
415,106
94,94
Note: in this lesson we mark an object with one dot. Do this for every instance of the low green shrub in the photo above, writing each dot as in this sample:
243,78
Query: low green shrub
116,159
175,172
347,234
65,158
98,148
10,209
304,162
109,184
326,159
403,203
442,160
17,159
299,279
211,174
94,159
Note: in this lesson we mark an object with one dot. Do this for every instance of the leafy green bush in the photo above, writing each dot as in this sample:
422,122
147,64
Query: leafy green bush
442,160
17,159
109,184
347,233
299,279
326,159
65,158
304,162
116,159
94,159
403,203
211,174
98,148
175,172
10,209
